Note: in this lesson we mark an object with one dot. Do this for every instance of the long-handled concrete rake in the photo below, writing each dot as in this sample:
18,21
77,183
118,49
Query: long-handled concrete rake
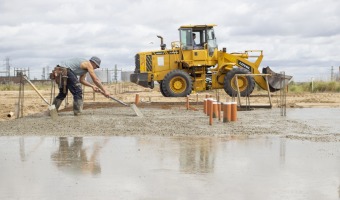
133,106
51,108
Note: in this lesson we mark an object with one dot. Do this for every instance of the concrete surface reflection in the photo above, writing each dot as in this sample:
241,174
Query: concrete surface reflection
147,167
24,153
71,156
197,155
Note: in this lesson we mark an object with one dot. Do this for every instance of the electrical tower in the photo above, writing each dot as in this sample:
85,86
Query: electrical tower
8,67
43,74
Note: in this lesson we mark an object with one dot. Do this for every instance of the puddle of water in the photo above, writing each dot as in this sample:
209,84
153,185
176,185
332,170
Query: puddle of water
168,168
324,118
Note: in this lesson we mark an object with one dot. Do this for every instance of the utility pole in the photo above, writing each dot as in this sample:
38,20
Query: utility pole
312,84
115,73
332,74
48,72
107,76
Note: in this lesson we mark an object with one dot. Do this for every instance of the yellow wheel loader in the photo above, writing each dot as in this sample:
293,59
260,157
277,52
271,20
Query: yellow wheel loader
194,63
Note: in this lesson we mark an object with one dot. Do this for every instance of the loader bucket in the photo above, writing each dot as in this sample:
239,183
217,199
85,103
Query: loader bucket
276,81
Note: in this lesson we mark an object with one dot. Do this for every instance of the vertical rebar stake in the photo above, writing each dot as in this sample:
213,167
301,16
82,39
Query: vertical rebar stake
283,103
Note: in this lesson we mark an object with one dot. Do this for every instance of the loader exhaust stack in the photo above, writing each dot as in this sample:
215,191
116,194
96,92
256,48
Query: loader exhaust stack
162,44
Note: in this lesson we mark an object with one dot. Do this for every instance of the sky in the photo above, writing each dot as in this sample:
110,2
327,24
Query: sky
301,38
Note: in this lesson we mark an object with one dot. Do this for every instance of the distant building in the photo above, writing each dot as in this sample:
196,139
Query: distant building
126,76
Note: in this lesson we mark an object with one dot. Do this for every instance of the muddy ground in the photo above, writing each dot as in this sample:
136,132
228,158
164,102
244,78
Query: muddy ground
126,92
162,116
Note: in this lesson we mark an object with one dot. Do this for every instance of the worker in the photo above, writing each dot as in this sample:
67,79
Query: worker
196,46
78,67
193,38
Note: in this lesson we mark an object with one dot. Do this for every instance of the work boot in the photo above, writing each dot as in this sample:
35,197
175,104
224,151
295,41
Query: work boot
77,107
57,103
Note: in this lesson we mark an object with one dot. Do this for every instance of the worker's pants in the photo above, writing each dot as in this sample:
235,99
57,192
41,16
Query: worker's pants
73,85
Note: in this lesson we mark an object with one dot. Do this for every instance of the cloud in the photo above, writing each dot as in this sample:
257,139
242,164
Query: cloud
294,35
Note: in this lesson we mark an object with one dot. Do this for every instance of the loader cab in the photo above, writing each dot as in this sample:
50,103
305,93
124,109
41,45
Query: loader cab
205,38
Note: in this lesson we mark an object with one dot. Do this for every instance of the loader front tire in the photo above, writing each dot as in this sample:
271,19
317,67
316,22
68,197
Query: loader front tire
176,83
246,84
161,88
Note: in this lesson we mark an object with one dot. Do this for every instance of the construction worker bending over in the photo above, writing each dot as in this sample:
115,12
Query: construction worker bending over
65,75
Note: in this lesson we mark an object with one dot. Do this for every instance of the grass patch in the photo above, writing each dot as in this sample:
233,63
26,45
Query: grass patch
318,86
15,87
9,87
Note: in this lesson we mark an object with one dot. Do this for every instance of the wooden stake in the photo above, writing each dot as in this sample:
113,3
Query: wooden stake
219,110
187,102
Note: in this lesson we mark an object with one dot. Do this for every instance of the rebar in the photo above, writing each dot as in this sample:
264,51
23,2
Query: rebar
283,96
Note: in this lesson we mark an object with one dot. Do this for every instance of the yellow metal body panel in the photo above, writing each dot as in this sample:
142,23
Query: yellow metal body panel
142,62
199,55
161,63
198,58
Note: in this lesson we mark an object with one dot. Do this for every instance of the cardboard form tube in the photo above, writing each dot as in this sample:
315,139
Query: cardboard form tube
214,111
233,111
137,99
10,114
209,105
226,112
205,102
219,111
215,108
210,113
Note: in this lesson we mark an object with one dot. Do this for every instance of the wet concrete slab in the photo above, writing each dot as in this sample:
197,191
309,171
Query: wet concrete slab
154,167
325,119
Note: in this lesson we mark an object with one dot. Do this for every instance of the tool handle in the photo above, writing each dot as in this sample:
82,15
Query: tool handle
35,89
117,100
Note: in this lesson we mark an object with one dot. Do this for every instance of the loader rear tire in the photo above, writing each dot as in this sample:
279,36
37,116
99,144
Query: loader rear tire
246,84
177,83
